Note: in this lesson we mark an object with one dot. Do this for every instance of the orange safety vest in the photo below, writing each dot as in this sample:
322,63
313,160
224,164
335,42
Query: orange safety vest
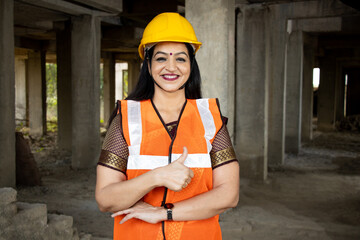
150,147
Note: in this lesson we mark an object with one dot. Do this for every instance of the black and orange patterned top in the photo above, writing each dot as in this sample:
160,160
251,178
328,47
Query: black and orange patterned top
114,152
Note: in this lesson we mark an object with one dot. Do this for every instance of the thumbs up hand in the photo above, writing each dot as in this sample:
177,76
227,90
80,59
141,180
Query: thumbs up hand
176,175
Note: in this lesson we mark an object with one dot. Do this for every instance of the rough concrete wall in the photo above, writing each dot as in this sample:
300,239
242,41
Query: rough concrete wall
7,95
214,24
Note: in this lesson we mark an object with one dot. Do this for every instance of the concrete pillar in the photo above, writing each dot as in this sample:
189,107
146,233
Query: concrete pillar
64,83
133,74
119,83
20,90
340,91
326,93
251,92
307,94
214,24
275,72
7,96
109,85
294,85
85,75
37,100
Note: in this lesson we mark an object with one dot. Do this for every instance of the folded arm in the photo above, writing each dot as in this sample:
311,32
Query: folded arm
224,195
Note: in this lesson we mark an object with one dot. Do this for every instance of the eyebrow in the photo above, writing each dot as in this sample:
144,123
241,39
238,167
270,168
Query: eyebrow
175,54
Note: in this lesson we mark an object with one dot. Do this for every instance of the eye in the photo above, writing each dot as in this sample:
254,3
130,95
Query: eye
160,59
180,59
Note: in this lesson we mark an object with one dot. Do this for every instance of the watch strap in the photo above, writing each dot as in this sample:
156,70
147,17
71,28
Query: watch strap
169,214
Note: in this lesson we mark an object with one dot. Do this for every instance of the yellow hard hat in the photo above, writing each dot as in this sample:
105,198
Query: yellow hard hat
168,27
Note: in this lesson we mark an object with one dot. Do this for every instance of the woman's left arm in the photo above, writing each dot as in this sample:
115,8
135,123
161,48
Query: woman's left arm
224,195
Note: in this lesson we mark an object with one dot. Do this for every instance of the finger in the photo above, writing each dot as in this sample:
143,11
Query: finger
127,211
127,217
183,156
191,173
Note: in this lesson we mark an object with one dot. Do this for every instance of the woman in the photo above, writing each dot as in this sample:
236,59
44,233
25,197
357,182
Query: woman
167,167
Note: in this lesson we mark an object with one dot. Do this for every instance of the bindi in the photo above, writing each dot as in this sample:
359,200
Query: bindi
170,53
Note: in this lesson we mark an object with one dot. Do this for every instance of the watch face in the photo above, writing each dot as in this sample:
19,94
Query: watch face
168,205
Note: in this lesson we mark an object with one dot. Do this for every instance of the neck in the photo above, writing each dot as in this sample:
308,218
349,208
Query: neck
169,101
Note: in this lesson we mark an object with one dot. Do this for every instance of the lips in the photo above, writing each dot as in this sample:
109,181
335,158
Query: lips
170,77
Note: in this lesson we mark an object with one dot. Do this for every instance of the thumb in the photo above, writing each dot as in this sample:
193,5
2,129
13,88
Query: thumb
183,156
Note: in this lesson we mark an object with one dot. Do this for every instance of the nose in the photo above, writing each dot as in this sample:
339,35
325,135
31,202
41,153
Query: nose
171,64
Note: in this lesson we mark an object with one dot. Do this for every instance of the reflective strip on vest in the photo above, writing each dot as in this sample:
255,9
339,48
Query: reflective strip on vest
135,126
151,162
207,120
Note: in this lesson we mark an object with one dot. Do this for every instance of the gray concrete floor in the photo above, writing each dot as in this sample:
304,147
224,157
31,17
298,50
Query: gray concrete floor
315,195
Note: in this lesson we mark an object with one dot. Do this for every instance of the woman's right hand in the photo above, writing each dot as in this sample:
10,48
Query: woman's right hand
176,175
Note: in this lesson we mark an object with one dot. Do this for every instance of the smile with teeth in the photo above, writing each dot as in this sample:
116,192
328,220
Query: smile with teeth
170,77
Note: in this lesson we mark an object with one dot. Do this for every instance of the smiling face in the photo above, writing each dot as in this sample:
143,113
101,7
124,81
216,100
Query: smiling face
170,66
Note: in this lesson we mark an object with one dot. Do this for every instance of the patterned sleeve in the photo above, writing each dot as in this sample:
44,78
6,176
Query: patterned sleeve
114,152
222,151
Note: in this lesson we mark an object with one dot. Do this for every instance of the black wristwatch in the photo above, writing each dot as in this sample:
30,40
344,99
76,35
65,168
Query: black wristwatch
168,207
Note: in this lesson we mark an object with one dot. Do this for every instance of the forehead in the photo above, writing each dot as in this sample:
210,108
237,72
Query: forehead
168,47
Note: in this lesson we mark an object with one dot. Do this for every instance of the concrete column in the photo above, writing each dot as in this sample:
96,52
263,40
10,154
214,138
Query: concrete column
326,93
307,95
133,74
20,90
64,83
340,91
275,71
214,24
294,85
109,85
119,83
85,75
251,88
35,79
7,96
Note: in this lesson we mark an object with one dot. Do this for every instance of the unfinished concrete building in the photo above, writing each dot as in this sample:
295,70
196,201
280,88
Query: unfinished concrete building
257,58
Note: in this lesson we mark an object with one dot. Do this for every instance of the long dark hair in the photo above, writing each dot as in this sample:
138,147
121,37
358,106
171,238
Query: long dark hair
144,88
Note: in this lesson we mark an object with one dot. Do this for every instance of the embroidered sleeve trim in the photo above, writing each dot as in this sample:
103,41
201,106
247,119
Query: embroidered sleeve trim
222,157
113,161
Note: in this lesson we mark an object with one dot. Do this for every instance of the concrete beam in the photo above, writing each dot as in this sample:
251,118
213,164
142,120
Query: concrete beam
323,24
7,96
85,75
113,6
62,6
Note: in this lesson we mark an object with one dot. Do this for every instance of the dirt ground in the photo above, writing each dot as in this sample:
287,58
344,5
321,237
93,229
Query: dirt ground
315,195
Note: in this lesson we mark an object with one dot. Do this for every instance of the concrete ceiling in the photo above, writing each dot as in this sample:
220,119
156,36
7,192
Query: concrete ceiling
123,21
